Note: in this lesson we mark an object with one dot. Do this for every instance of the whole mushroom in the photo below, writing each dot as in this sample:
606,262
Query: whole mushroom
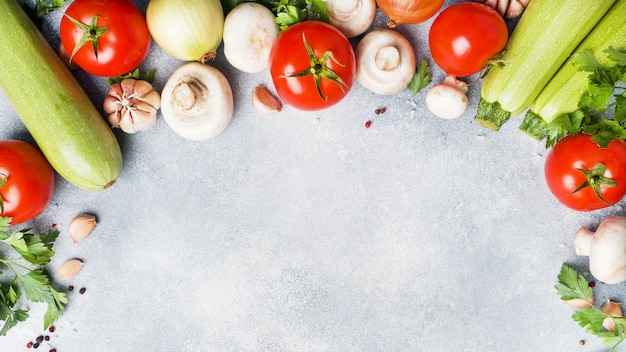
606,249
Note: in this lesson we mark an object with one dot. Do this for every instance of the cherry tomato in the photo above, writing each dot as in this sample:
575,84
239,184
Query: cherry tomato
312,65
465,36
26,181
583,176
111,37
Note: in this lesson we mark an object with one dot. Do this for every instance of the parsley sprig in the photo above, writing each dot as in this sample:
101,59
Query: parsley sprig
421,79
29,279
602,109
290,12
573,285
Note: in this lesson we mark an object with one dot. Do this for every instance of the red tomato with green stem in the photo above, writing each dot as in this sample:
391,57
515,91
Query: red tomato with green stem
26,181
583,176
105,37
465,36
312,65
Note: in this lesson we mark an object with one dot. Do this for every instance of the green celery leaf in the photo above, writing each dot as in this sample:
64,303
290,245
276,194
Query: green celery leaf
620,109
14,292
572,285
421,79
5,223
37,286
14,317
590,318
318,9
617,56
16,240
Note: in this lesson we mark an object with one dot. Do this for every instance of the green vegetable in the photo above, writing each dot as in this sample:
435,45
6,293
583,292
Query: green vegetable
604,96
55,109
573,285
546,34
29,278
421,79
41,7
587,70
290,12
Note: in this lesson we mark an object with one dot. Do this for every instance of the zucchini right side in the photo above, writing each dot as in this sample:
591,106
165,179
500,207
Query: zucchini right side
55,109
545,36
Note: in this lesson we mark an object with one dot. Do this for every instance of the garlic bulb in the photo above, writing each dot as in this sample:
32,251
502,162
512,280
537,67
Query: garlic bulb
132,105
408,11
507,8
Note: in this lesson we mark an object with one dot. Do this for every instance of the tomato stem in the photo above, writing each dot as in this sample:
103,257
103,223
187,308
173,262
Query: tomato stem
91,34
595,179
318,69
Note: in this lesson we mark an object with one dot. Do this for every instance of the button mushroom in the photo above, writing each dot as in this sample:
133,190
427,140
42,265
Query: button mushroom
197,101
351,17
448,100
385,61
606,248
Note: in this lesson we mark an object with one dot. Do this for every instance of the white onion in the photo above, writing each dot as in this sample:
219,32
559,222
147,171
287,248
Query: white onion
188,30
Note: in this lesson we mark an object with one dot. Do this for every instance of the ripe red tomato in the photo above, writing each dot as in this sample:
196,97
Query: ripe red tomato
122,43
26,180
465,36
576,165
312,65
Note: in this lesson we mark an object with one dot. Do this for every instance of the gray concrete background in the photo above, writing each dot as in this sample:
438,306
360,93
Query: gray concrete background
305,231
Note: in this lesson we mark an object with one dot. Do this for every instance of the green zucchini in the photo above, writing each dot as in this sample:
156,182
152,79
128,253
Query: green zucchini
55,109
543,39
563,92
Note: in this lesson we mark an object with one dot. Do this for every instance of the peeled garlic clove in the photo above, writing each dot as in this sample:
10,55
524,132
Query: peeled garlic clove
81,226
580,303
614,309
265,102
69,269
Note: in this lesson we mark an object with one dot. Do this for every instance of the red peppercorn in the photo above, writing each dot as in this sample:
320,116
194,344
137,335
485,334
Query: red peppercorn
71,288
53,350
368,123
592,284
51,329
29,345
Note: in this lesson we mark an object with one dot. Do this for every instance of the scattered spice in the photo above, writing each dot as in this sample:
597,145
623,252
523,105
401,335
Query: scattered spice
29,345
581,342
39,339
36,345
592,284
53,350
70,288
380,111
82,290
52,328
368,123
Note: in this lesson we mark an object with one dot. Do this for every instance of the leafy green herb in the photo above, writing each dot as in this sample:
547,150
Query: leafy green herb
42,7
573,285
3,181
290,12
30,280
602,109
421,79
136,74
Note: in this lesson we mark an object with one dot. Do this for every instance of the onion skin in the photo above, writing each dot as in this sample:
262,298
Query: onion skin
189,31
408,11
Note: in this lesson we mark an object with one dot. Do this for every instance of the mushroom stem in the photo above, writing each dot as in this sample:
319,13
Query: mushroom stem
582,241
387,58
188,95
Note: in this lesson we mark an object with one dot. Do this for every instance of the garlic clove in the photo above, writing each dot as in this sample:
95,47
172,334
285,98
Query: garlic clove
265,102
614,309
81,226
580,303
70,268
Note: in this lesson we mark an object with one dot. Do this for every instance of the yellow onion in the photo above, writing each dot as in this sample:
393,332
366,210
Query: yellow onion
188,30
408,11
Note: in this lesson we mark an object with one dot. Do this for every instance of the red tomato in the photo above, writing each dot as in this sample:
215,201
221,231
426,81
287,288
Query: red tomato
26,180
574,167
122,45
465,36
317,79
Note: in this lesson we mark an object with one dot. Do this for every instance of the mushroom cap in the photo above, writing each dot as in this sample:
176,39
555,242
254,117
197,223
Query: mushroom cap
607,253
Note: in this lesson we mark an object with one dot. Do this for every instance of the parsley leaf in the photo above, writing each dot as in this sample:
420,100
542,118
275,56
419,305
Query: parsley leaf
136,74
421,79
30,280
573,285
290,12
